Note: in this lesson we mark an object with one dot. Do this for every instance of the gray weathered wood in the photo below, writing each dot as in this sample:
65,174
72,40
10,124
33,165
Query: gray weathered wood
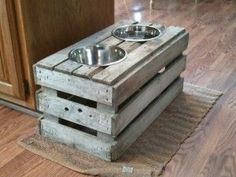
129,83
87,71
74,85
110,41
68,66
114,73
103,110
53,60
110,149
75,138
145,96
129,46
130,135
49,91
145,71
75,112
103,118
107,108
104,137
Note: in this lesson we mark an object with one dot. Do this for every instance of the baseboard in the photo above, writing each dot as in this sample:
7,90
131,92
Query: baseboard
16,107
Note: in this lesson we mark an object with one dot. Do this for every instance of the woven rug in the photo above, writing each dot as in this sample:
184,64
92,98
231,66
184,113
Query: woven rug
149,155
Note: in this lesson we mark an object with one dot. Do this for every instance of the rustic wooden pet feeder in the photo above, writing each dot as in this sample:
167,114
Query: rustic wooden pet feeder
103,110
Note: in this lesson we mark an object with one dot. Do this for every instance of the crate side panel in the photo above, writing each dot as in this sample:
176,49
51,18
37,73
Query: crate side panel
74,85
75,138
132,132
144,72
141,100
75,112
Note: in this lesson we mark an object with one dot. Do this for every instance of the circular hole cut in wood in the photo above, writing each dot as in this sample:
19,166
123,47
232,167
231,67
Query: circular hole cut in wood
66,109
79,110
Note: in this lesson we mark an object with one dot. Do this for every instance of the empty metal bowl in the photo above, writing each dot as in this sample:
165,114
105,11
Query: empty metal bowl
98,55
138,33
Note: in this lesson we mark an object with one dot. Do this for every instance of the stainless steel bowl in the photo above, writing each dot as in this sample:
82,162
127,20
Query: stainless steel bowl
98,55
138,33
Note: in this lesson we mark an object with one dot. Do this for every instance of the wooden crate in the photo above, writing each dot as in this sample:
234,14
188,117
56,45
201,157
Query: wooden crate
103,106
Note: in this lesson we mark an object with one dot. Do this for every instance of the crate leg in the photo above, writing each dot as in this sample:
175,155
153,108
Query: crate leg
110,109
50,91
105,137
107,108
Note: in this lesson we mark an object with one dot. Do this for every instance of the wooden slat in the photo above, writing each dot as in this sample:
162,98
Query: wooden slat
57,58
74,85
151,66
114,73
129,46
111,149
75,138
102,119
75,112
130,135
68,66
51,61
87,71
110,41
141,100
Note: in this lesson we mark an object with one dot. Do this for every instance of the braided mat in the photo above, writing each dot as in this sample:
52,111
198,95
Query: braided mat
149,155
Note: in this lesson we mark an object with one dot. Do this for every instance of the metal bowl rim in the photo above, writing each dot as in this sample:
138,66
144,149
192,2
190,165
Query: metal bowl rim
100,65
161,32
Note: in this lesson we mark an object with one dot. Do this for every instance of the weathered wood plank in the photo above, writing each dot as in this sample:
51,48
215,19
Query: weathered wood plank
109,149
103,118
75,138
68,66
123,89
51,61
114,73
74,85
107,108
110,41
130,135
151,66
87,71
75,112
141,100
55,59
49,91
129,46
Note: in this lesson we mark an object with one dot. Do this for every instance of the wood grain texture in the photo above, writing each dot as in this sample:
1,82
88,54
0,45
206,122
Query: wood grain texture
77,86
210,150
11,81
114,73
75,112
114,84
102,119
148,93
111,149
